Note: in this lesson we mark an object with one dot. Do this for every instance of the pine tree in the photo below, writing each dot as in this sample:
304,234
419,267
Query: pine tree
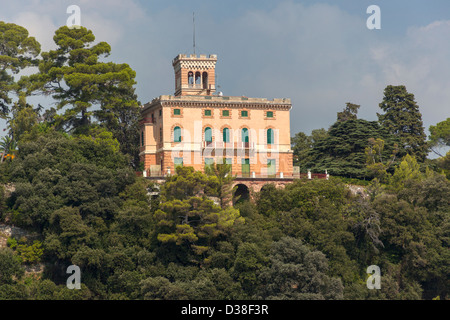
342,151
17,52
440,136
349,113
403,119
87,88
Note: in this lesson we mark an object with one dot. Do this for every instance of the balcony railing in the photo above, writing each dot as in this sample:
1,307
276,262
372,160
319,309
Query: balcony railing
195,86
245,173
147,120
228,145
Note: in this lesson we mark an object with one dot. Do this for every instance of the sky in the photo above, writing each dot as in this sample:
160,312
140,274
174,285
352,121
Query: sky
320,54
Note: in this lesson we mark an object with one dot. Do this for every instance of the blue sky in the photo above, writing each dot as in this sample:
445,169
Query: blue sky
318,53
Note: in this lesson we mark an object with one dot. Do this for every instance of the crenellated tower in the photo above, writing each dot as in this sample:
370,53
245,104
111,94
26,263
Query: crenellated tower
194,75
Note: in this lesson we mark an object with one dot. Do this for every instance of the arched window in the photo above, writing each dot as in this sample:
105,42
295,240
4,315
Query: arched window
208,134
205,80
226,135
198,78
270,136
177,134
190,77
244,135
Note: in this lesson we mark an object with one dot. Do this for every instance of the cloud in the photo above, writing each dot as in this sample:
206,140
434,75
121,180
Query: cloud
39,26
319,55
420,62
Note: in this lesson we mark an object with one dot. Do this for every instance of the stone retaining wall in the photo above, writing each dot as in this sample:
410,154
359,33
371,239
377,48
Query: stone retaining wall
7,231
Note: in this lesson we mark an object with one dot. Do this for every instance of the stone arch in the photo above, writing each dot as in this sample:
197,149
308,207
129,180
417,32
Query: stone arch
205,80
242,193
198,78
190,77
266,186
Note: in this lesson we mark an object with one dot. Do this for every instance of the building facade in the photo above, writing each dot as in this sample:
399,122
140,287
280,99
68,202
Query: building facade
198,127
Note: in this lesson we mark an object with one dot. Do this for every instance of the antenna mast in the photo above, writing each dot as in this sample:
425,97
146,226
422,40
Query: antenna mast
193,23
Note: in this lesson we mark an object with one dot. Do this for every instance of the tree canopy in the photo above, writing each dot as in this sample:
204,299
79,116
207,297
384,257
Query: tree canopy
403,119
86,88
69,183
342,151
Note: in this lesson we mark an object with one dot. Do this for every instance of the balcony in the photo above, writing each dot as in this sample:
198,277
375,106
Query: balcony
147,120
228,145
195,86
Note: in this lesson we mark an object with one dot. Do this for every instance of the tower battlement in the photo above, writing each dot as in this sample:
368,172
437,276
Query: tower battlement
194,75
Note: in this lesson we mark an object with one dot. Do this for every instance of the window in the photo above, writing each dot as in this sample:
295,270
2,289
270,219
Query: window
160,135
142,138
270,136
209,163
160,112
208,113
208,134
176,112
190,77
244,134
269,114
226,135
225,113
205,80
271,168
178,162
228,162
177,134
244,113
246,167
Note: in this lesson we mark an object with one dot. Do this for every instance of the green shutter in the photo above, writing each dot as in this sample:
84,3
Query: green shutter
178,162
270,136
177,134
245,135
246,167
271,168
209,162
208,134
226,135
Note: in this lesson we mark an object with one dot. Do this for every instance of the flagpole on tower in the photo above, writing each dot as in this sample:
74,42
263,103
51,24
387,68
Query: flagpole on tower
193,23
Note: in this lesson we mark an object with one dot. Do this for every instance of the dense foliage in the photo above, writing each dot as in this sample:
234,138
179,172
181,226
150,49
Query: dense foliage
403,119
310,240
342,150
74,190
